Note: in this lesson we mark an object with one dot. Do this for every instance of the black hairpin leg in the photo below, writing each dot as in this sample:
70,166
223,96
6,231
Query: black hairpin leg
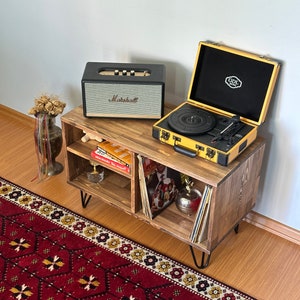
204,262
236,228
85,199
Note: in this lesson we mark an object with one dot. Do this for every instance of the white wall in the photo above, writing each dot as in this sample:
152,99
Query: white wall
45,45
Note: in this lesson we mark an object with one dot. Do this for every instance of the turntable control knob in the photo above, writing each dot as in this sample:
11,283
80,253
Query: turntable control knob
210,152
165,135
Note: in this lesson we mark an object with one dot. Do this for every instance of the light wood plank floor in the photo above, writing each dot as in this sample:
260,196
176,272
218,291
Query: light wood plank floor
253,261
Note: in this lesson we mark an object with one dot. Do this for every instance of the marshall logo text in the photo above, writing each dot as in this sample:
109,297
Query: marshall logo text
116,98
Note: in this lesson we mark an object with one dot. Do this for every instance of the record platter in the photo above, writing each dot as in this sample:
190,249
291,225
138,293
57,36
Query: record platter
228,98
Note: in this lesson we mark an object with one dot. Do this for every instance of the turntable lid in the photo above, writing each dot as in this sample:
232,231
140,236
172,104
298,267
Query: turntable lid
233,82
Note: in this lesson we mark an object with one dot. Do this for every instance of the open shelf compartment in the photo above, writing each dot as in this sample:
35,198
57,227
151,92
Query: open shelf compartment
114,188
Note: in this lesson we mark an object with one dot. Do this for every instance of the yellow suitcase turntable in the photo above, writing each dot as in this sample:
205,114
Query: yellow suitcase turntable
228,99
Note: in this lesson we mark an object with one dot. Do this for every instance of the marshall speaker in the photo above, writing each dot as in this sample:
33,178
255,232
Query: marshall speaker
123,90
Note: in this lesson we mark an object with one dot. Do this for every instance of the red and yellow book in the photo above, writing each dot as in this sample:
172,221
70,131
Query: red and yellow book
102,157
116,151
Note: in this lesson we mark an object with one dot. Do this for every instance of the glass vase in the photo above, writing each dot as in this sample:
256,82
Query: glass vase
48,143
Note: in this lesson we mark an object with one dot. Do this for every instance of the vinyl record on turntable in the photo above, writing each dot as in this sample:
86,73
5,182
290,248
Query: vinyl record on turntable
191,121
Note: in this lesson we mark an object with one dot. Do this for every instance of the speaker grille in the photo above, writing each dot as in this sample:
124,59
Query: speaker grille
128,100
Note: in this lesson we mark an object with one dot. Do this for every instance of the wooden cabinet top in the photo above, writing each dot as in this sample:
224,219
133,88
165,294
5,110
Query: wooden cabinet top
136,136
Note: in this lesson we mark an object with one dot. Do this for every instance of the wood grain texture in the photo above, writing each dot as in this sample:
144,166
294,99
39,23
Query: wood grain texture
254,260
132,132
232,197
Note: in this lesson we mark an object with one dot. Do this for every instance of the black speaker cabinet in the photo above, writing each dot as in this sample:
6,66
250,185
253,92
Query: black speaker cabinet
123,90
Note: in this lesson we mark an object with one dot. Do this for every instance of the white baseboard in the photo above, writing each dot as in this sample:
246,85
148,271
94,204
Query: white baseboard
274,227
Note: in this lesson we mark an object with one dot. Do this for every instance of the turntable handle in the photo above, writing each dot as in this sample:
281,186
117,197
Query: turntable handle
185,151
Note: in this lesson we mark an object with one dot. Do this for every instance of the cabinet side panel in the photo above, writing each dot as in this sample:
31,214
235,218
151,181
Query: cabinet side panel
235,197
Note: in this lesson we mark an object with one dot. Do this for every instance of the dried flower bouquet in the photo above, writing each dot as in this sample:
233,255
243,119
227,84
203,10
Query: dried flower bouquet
46,104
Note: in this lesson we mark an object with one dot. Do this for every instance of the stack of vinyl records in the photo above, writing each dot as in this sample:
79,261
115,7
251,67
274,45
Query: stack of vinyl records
199,232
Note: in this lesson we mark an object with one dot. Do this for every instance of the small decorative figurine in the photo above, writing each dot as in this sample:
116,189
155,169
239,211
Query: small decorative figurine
188,198
95,176
89,136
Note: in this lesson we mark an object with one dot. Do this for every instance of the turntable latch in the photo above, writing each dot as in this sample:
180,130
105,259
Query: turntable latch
176,139
199,148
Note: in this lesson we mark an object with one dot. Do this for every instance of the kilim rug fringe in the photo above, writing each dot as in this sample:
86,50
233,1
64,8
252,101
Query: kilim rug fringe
49,252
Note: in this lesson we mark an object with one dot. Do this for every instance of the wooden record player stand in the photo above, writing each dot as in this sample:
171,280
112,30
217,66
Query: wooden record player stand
234,188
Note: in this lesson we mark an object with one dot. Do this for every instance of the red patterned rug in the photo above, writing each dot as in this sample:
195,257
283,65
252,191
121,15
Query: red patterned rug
48,252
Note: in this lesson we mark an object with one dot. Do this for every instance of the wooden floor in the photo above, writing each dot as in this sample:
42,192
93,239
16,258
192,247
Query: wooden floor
253,261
